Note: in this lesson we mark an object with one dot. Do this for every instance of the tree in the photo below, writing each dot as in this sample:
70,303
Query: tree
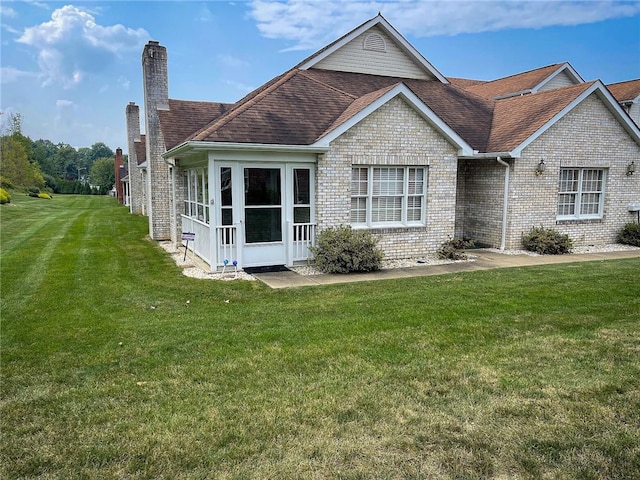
15,156
103,173
100,150
66,162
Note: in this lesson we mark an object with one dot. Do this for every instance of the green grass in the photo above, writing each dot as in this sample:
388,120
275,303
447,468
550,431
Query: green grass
108,373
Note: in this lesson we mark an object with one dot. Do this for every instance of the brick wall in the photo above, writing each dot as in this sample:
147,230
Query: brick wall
135,175
156,96
588,136
393,135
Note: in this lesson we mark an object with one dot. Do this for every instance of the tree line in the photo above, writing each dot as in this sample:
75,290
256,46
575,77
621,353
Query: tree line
53,167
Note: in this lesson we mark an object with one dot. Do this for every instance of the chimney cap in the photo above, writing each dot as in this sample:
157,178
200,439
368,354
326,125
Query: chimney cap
154,42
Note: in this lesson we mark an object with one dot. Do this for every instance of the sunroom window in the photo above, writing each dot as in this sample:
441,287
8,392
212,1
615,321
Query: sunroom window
581,193
196,202
393,196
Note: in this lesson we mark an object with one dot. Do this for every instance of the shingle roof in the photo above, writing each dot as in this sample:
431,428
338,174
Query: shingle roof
301,106
517,118
625,91
514,83
185,117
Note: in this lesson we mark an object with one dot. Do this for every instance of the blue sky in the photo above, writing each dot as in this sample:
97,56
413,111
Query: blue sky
70,68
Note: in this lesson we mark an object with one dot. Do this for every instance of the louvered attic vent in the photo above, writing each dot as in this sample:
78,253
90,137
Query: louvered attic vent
375,43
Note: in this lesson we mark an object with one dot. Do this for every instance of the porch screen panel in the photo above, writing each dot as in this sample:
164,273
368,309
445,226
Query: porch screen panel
263,205
301,195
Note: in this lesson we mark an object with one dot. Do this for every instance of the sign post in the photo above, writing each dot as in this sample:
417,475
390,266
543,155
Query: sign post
187,237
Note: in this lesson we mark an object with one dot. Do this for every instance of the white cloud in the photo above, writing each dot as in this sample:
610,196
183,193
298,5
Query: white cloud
310,24
11,74
61,103
231,61
241,87
72,45
7,11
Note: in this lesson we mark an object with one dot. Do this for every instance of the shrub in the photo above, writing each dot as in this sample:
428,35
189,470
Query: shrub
343,250
33,192
44,195
547,241
630,234
6,183
453,249
5,197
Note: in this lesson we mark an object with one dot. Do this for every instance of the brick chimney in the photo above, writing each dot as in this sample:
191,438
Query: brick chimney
119,170
136,185
156,96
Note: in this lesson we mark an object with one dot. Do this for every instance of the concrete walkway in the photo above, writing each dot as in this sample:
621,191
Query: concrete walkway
482,260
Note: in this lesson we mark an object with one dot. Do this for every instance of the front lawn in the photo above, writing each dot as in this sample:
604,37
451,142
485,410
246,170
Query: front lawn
114,365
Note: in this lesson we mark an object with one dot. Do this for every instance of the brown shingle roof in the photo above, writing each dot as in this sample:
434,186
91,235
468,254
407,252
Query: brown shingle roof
625,91
514,83
517,118
141,150
185,117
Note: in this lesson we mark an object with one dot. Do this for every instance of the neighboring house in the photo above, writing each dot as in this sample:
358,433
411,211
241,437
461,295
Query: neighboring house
628,96
121,184
366,132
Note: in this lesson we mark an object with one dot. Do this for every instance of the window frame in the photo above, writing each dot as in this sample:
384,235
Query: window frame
580,194
378,182
196,201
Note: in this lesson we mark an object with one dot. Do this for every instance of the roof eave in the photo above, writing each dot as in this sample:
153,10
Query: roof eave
192,147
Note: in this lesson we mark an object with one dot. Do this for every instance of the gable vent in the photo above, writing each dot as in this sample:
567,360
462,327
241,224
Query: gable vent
375,43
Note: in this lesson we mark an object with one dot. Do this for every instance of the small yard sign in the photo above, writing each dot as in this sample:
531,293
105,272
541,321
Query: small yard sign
187,237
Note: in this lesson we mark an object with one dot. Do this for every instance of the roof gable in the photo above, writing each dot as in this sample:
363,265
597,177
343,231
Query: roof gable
532,81
376,48
518,121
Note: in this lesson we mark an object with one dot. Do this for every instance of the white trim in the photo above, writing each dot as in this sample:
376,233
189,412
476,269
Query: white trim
381,22
611,103
414,101
565,68
190,147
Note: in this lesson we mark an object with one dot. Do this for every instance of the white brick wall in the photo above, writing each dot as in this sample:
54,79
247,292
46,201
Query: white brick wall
393,135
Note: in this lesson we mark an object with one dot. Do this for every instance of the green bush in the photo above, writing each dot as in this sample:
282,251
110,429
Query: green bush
630,234
6,183
547,241
453,249
343,250
5,197
33,192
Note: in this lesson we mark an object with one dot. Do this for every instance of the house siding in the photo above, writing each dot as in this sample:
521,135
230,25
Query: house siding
588,136
393,135
353,58
560,80
634,113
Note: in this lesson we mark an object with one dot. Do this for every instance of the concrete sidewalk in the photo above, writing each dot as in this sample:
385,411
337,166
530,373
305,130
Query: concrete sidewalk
482,260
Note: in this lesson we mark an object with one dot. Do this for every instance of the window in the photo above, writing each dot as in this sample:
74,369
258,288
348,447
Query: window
196,202
580,193
387,196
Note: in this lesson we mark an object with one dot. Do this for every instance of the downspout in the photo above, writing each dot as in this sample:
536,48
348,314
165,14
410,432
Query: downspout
505,203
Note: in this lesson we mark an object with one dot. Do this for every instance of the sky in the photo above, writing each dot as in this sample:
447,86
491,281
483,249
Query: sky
70,68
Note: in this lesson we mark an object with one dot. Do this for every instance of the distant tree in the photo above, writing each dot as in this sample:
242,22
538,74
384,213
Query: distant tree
15,157
44,152
66,162
100,150
103,173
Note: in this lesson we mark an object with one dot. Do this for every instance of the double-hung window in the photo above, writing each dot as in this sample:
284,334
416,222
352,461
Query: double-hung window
581,193
393,196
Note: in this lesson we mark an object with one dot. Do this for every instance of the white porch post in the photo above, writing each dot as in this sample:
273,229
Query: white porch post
213,213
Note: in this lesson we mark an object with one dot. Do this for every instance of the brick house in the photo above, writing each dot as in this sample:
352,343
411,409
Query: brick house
366,132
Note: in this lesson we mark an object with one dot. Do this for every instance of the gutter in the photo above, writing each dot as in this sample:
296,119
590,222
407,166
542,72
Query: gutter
192,146
505,202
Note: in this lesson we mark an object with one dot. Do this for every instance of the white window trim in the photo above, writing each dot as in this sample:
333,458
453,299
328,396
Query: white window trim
403,223
579,193
192,202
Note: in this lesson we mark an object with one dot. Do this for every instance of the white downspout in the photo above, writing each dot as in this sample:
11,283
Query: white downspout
505,203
